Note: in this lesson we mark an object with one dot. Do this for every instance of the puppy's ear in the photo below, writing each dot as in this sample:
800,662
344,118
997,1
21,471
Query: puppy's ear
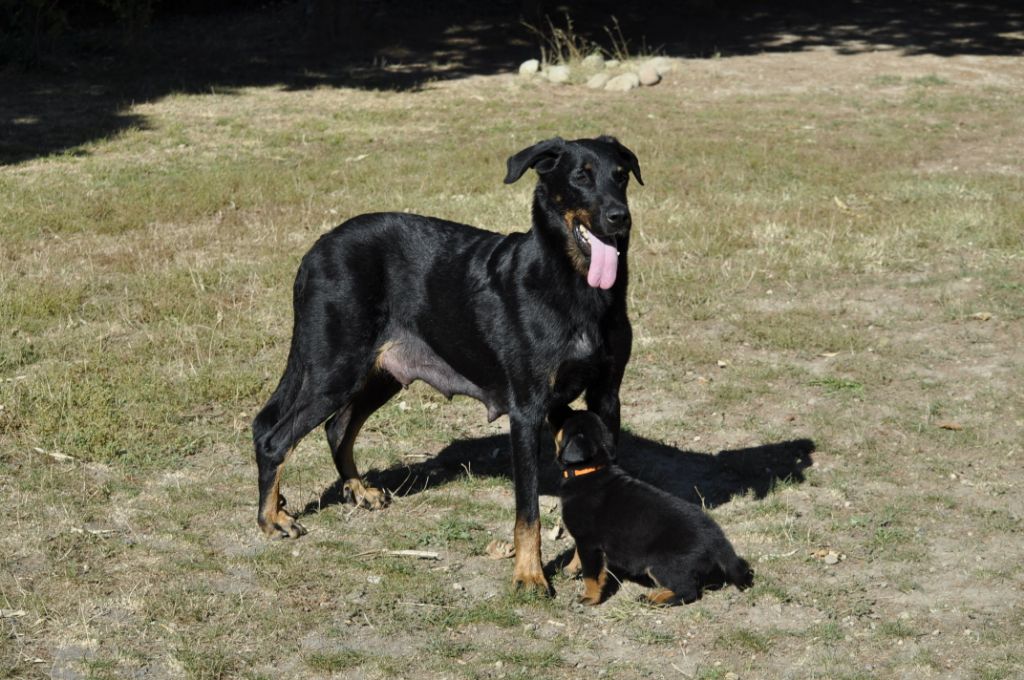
542,157
628,157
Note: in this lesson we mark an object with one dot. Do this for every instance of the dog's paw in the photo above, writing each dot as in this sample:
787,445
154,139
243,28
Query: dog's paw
532,581
355,492
281,524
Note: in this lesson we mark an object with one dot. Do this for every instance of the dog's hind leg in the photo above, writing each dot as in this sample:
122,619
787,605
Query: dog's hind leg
673,583
343,428
273,444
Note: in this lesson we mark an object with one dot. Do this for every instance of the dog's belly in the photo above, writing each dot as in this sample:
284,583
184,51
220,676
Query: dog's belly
409,358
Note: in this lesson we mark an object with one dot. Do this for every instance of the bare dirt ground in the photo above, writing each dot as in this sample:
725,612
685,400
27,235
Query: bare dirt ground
841,386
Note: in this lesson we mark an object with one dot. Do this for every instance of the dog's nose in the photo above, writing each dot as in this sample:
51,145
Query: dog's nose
617,217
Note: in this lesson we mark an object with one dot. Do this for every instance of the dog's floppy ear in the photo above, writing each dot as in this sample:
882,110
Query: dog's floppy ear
542,157
628,157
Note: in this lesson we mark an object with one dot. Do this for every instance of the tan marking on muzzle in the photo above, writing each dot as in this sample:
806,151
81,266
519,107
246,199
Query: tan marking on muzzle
577,256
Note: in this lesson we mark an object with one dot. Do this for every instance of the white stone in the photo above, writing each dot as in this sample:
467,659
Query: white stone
594,61
558,74
623,83
598,80
529,67
648,75
662,64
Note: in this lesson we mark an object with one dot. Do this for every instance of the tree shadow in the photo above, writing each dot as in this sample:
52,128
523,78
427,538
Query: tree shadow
90,89
711,479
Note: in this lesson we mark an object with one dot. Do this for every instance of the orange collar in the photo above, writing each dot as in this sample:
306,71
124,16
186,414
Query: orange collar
579,472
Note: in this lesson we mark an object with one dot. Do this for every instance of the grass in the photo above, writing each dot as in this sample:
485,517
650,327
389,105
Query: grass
817,241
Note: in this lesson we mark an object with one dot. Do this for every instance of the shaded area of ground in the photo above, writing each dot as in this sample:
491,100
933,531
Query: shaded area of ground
88,93
710,479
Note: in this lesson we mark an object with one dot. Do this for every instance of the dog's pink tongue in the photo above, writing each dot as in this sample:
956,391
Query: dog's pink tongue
604,264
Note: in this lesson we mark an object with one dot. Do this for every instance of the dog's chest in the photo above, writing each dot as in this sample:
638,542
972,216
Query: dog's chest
576,364
584,345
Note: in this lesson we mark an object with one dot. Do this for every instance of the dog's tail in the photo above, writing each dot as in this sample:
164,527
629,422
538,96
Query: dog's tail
291,380
737,570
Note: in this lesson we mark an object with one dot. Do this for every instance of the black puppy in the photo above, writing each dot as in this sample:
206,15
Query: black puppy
634,529
525,323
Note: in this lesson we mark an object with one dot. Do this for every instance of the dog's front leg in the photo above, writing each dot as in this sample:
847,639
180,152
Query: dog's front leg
528,571
595,574
602,394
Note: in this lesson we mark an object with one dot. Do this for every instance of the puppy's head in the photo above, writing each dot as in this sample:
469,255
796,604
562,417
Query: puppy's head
583,183
583,440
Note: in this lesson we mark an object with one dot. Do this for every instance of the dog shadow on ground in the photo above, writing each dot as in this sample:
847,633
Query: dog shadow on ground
711,479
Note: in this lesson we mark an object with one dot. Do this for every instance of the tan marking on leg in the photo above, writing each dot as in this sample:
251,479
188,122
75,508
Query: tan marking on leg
528,571
275,521
363,496
661,596
593,588
575,566
558,440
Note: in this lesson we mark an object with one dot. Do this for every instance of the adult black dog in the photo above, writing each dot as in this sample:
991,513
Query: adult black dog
525,323
640,532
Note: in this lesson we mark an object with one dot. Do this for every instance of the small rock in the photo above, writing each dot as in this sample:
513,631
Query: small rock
648,75
458,587
612,63
831,558
594,61
529,67
555,533
373,579
731,676
623,83
662,64
558,74
598,80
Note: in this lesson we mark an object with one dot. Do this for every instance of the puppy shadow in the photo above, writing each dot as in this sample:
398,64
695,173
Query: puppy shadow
711,479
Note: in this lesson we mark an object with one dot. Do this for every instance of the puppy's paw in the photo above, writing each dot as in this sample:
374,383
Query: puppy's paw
662,597
590,600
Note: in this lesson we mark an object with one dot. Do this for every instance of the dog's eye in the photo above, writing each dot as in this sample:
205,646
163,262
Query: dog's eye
581,176
620,177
